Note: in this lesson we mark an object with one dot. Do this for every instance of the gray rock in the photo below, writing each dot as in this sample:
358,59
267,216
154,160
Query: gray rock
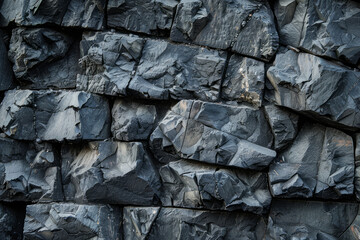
145,16
109,172
175,223
353,231
284,125
357,166
29,173
321,28
44,58
227,25
11,221
317,87
320,163
72,221
292,219
108,61
214,133
244,81
6,81
193,185
179,72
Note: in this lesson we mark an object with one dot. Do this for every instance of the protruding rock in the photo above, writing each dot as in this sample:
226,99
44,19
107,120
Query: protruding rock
72,221
11,221
109,172
227,24
320,163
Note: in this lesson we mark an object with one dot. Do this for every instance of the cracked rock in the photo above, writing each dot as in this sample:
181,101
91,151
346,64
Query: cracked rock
320,27
193,185
11,221
357,169
6,81
320,163
109,172
108,62
178,72
227,25
145,16
317,88
175,223
72,221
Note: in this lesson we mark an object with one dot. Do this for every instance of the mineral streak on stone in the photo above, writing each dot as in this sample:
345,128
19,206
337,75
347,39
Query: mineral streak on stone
193,185
109,172
357,169
317,87
244,80
6,81
179,72
145,16
214,133
72,221
247,27
324,28
320,163
175,223
29,173
300,220
108,62
11,221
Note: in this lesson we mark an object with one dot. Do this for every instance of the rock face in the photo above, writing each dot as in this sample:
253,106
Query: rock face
54,115
320,163
11,221
317,87
72,221
174,223
145,16
357,169
192,185
109,172
203,132
6,81
227,25
316,26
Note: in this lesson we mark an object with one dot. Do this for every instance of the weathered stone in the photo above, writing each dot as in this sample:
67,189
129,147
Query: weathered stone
109,172
310,220
175,223
323,28
145,16
72,221
179,72
353,230
6,81
11,221
194,185
317,87
320,163
357,164
227,24
44,58
214,133
108,61
29,173
244,80
284,125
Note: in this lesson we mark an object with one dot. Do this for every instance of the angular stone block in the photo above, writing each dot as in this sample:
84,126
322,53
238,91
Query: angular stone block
320,163
246,27
176,223
179,72
146,16
6,81
11,221
317,87
109,172
72,221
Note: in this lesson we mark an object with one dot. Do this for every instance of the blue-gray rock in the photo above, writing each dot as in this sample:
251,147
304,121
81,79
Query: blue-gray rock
11,221
6,81
357,166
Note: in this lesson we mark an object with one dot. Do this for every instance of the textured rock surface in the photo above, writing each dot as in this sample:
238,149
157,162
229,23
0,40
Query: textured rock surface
323,28
317,87
11,221
174,223
72,221
6,81
227,25
109,172
320,163
357,164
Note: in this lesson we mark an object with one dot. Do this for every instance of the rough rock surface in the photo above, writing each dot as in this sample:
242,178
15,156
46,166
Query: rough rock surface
109,172
323,28
174,223
192,185
11,221
6,81
145,16
72,221
317,87
357,165
227,25
320,163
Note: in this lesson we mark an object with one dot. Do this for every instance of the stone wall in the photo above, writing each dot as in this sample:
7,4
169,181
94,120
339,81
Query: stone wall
180,119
